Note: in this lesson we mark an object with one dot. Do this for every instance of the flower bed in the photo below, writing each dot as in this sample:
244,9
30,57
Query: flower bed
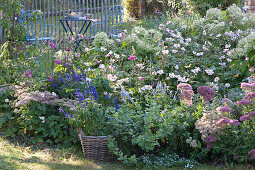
171,94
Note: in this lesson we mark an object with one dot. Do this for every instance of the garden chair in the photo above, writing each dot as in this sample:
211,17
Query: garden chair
36,30
112,22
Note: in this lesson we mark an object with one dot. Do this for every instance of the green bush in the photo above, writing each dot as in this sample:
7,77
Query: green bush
201,6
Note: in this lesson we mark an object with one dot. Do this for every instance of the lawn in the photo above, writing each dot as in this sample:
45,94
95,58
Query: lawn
16,156
13,156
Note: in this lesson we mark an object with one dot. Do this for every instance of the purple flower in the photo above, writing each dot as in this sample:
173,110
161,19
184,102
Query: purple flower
58,61
67,49
158,13
80,36
66,114
252,154
53,45
78,54
250,95
28,73
68,63
225,109
234,122
132,57
245,117
251,114
223,120
248,86
206,92
51,78
243,102
209,140
235,156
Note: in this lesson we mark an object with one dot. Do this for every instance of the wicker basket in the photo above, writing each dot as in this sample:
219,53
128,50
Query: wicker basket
95,147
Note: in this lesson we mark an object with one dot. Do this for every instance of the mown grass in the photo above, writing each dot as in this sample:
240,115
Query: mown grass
15,156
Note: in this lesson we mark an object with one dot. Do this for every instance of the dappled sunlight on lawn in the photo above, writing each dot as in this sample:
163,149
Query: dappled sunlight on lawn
19,157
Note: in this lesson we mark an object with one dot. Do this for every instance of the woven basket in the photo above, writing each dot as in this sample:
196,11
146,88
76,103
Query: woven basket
95,147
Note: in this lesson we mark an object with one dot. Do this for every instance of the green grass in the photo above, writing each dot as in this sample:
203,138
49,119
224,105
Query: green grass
20,157
15,156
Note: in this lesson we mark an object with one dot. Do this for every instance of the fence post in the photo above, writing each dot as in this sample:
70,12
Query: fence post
142,8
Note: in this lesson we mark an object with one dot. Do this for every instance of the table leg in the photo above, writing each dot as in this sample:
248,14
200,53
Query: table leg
79,41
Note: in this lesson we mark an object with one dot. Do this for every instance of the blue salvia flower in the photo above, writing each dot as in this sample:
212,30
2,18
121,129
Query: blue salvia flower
116,104
62,81
68,76
55,85
66,114
83,74
107,98
85,93
80,96
94,92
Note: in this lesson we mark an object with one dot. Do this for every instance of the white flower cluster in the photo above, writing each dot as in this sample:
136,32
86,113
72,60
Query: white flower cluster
180,78
214,14
146,87
193,143
112,77
207,124
244,46
235,13
196,70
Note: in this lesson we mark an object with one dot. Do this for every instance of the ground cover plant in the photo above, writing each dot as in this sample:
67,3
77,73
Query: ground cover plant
177,93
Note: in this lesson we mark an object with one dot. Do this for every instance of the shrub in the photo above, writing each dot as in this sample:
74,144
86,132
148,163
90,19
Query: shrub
202,6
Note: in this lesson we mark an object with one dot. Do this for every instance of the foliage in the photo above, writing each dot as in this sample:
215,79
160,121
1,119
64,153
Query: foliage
201,6
158,127
8,118
43,123
169,7
132,7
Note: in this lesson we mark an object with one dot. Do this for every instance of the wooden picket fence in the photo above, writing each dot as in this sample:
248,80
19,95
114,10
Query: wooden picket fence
54,10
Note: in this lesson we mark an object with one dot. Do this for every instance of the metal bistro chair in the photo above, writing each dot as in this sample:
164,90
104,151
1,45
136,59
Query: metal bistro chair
36,29
112,24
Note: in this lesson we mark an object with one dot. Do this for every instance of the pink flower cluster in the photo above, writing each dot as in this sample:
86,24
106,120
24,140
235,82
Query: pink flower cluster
187,93
244,102
225,109
252,154
132,57
228,121
248,86
184,86
28,73
247,117
186,96
250,95
206,92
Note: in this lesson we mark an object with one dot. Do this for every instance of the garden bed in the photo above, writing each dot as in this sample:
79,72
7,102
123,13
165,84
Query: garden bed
176,94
